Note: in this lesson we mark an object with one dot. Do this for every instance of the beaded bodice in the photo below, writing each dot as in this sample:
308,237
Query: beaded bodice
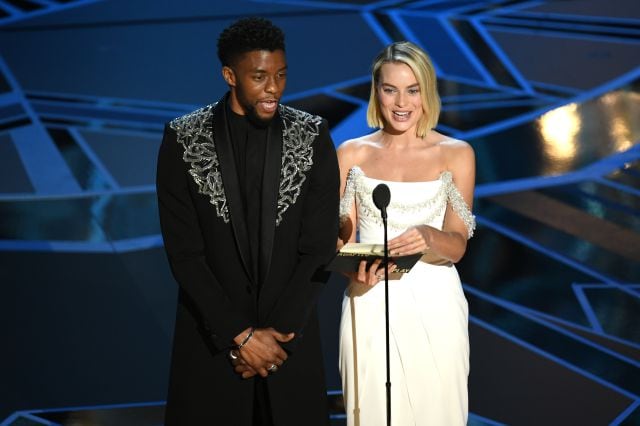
412,203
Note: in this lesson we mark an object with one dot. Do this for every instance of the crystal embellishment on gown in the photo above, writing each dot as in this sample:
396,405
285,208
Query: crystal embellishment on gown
434,205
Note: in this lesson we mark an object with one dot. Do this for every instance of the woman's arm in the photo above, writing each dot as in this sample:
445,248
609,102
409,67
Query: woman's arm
348,215
351,154
449,244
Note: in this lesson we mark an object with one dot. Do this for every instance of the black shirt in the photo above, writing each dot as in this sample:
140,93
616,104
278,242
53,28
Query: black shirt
249,143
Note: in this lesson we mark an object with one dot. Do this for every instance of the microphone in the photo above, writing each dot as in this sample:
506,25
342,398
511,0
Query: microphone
381,198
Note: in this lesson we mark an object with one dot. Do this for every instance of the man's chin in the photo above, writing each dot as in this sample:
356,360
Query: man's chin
260,120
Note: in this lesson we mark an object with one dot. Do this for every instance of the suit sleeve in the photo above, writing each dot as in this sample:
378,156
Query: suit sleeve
185,248
316,243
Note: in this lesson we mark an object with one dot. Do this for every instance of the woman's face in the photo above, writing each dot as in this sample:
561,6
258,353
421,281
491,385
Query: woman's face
399,97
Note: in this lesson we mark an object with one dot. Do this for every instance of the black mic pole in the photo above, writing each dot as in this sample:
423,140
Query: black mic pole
381,198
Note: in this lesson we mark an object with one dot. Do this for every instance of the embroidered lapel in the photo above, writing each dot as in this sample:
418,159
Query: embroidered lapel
195,133
213,168
208,151
299,130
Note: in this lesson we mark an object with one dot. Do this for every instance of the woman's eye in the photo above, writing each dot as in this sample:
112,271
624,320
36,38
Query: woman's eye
414,91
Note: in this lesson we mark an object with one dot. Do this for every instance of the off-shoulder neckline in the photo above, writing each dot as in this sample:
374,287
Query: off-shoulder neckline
440,177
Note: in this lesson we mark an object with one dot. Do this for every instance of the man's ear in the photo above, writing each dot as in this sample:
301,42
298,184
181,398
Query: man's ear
229,76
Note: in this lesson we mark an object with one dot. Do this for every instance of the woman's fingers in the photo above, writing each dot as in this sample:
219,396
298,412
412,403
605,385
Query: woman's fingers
401,243
379,273
370,275
414,240
374,272
362,271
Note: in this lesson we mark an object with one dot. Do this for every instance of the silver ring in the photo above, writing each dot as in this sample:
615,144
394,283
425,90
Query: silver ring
233,355
273,368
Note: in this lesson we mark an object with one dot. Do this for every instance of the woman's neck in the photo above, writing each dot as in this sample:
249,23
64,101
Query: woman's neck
402,140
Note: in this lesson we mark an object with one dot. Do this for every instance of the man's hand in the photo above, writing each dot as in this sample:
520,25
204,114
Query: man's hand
240,366
261,351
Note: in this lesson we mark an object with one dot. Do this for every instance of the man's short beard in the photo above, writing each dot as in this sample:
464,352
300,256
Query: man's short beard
254,118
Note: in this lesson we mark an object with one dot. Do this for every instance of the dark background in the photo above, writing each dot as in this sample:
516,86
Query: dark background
547,93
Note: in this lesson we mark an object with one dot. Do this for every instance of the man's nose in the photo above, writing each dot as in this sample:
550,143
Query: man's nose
271,86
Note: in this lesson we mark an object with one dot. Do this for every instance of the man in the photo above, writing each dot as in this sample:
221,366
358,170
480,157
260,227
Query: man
248,198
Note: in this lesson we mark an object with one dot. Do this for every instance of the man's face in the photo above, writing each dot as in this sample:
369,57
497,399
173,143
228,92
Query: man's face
257,81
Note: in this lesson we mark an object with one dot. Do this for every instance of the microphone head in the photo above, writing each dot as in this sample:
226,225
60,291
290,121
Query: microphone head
381,196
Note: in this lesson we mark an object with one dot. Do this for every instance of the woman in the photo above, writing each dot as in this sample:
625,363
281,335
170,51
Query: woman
431,178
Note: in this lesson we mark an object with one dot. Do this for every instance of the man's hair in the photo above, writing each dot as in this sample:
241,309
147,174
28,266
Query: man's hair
246,35
405,52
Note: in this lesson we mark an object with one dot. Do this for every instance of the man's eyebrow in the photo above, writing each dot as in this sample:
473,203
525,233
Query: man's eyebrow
263,71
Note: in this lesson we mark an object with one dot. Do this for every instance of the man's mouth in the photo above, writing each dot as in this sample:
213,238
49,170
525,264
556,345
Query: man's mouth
268,105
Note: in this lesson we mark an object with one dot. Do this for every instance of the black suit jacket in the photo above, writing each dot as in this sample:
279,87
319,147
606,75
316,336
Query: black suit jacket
205,236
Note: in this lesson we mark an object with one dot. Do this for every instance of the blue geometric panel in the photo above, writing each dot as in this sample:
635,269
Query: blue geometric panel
16,10
113,59
129,157
562,60
613,312
613,10
12,166
44,161
446,50
11,111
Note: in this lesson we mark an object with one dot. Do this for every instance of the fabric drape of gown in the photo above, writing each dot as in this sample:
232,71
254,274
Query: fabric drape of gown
428,337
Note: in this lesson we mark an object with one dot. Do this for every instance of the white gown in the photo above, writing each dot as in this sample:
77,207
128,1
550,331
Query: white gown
429,341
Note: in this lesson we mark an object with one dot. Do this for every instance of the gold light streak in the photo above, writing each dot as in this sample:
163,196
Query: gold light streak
559,129
620,107
621,134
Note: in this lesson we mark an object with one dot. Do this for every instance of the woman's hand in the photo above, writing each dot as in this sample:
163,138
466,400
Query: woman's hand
373,274
414,240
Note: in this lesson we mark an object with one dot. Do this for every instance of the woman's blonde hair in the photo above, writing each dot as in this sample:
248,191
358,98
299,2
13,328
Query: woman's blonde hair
417,59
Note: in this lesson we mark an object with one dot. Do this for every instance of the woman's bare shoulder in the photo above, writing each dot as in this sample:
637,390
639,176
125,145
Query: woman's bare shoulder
455,147
458,155
354,149
449,142
362,142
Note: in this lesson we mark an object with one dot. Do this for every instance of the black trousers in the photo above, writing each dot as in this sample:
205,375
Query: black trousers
261,406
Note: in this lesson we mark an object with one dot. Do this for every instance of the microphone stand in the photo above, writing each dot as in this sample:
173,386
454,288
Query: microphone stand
386,312
381,198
